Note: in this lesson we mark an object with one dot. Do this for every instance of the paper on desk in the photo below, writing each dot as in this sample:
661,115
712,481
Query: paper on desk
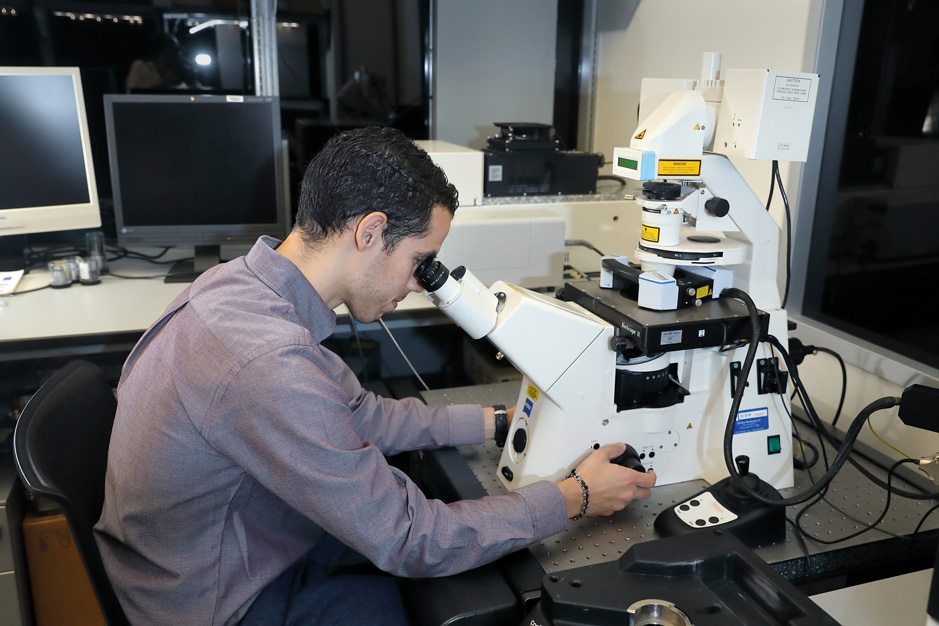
9,281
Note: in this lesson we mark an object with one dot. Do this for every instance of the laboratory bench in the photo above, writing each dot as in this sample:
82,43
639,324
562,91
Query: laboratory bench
888,550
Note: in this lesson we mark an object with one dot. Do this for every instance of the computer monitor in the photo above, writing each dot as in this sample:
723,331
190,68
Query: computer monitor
47,177
190,170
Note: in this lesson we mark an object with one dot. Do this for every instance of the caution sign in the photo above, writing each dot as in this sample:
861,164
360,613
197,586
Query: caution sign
675,167
651,233
697,126
532,392
641,134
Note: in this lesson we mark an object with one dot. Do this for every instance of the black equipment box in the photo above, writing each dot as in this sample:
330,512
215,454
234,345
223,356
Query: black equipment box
523,160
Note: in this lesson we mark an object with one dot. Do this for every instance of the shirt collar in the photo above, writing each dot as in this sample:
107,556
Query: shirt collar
287,281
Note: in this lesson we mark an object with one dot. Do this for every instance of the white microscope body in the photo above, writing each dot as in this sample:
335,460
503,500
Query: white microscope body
658,371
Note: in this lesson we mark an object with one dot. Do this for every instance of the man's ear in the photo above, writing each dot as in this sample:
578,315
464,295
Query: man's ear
369,230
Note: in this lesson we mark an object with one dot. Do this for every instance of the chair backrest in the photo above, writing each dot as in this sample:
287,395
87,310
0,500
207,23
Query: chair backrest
60,445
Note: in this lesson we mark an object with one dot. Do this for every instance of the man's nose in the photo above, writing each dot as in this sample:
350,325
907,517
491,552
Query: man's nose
414,284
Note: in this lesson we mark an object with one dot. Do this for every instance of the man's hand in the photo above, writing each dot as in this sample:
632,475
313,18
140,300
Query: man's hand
611,486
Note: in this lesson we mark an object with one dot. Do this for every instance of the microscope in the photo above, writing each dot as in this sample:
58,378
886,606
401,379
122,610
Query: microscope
652,354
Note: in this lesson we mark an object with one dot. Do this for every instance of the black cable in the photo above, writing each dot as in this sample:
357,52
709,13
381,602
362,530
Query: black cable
799,389
125,253
843,452
582,242
803,464
35,258
782,192
821,442
844,381
805,551
159,276
795,429
821,498
799,530
358,343
772,185
819,427
619,179
923,521
868,526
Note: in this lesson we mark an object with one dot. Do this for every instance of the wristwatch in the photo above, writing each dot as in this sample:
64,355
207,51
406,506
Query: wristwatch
502,424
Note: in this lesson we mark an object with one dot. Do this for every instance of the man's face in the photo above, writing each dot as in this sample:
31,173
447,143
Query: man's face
390,277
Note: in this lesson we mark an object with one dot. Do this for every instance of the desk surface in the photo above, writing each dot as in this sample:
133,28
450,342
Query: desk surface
851,499
114,306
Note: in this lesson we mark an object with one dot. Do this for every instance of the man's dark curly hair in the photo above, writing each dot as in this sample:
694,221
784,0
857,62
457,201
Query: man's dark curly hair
371,169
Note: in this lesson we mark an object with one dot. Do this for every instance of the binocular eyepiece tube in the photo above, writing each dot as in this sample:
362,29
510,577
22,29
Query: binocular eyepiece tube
460,295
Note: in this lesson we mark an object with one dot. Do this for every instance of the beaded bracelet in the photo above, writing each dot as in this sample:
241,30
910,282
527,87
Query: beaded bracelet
583,486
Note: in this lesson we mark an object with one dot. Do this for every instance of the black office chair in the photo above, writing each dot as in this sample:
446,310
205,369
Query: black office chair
61,449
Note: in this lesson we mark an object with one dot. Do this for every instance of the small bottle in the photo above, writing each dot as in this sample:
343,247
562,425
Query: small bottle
88,273
94,242
61,276
72,263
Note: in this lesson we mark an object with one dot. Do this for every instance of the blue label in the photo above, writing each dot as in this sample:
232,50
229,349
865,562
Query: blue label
648,166
529,405
752,421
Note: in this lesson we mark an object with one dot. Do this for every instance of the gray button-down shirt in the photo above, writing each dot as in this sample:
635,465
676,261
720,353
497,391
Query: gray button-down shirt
239,439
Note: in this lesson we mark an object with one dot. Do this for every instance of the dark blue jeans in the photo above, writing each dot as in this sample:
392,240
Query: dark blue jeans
331,585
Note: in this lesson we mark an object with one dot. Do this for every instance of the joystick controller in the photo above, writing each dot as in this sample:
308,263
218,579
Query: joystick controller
629,459
726,505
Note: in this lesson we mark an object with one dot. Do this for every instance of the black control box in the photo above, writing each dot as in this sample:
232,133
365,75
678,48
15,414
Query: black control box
525,160
726,506
539,173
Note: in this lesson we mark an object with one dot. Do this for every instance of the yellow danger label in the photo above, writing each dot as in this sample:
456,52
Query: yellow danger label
703,292
689,426
651,233
641,134
533,392
672,167
697,126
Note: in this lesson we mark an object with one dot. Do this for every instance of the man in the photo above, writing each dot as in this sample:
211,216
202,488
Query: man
240,443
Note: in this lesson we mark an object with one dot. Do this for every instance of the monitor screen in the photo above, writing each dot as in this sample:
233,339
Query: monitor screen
196,170
47,179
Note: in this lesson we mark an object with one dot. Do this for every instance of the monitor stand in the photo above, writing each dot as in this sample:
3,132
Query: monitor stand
188,270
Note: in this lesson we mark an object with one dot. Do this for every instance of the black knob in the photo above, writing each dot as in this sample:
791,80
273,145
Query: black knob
629,459
743,464
520,440
718,207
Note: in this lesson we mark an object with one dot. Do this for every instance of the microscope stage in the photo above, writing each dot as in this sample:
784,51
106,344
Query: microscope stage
719,322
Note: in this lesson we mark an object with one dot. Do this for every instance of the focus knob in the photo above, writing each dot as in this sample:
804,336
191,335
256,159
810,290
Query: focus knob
718,207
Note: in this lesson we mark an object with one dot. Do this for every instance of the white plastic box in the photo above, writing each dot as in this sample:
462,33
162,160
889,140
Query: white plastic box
766,115
463,167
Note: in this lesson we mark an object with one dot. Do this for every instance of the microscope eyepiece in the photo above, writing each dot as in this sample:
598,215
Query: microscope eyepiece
460,295
431,274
